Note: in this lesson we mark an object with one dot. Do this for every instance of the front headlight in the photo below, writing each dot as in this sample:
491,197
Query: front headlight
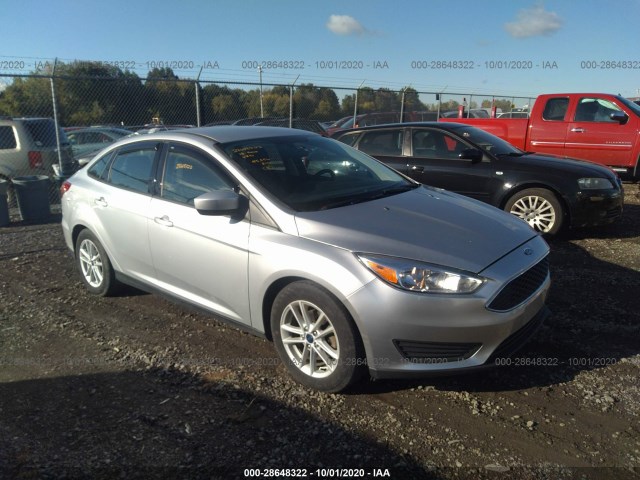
420,277
594,184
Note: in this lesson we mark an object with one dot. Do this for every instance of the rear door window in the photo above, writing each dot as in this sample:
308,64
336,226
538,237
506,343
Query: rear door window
133,169
555,109
382,142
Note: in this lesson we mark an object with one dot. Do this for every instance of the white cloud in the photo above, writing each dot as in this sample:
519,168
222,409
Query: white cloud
534,21
345,25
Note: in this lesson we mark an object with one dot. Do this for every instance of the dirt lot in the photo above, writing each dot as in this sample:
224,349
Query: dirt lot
135,386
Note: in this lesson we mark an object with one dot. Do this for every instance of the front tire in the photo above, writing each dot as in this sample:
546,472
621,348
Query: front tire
94,266
316,338
538,207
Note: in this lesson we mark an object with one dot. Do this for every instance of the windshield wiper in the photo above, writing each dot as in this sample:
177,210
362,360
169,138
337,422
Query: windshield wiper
511,154
386,192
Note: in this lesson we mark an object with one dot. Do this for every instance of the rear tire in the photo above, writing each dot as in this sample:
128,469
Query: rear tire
538,207
94,266
316,338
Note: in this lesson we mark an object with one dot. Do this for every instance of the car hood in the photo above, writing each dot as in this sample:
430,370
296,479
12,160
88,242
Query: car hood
425,224
583,168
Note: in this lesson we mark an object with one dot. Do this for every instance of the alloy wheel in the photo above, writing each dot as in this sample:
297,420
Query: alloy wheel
536,211
309,339
91,263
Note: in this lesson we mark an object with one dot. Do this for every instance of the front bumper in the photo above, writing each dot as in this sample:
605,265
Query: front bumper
597,207
422,334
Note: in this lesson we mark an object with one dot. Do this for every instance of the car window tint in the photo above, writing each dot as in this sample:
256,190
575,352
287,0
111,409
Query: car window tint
7,138
349,138
555,109
436,144
132,169
189,174
595,110
382,142
43,132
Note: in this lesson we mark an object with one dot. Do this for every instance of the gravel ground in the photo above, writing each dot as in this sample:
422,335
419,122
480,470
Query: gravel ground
137,387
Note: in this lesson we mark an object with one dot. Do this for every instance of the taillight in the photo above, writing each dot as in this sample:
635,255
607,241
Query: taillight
35,159
64,188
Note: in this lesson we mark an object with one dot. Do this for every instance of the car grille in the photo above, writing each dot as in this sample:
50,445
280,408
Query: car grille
514,341
521,288
435,352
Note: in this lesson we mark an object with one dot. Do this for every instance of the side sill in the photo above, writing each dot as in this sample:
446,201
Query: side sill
121,277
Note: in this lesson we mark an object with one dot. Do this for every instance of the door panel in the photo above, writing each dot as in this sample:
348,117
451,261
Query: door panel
122,206
201,258
592,135
435,162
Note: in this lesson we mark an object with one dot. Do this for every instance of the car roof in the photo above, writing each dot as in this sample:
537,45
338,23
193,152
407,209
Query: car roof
382,126
228,133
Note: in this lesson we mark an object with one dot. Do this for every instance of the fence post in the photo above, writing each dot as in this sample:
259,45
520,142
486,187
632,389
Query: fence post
55,116
290,105
197,85
355,104
291,102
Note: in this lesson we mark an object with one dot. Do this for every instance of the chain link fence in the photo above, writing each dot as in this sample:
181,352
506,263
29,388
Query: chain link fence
52,123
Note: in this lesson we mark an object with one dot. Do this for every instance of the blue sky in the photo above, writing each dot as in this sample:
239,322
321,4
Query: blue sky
584,45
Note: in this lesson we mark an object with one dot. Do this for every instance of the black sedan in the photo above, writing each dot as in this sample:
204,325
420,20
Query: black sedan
548,192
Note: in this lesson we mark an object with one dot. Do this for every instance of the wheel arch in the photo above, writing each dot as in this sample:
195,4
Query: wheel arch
278,285
75,233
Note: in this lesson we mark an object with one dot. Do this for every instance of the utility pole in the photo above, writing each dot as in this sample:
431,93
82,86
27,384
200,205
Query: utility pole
261,107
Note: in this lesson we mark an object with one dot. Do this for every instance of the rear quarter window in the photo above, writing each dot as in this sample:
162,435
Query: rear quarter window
7,138
43,132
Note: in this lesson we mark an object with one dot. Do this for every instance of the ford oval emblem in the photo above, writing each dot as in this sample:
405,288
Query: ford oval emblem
528,251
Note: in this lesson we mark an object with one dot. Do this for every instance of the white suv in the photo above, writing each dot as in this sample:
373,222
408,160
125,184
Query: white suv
28,146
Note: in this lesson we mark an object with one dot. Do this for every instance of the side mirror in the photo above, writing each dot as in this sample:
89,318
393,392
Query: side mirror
472,154
220,202
619,117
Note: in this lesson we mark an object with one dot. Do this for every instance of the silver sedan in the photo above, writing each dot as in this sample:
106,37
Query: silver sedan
347,265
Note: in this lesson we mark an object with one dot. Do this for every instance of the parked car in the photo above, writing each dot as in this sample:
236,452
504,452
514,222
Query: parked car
299,123
547,192
87,140
28,146
513,115
379,118
365,119
470,113
153,128
598,127
342,272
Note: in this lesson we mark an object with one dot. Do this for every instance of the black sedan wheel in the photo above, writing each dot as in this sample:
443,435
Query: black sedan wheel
316,338
538,207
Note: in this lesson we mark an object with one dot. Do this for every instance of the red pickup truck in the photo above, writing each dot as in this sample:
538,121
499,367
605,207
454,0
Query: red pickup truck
598,127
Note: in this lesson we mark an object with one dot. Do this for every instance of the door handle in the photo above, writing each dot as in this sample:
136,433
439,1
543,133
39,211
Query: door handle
101,202
417,168
164,221
578,130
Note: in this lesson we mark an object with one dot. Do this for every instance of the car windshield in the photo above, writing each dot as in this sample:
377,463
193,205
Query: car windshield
314,173
488,142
